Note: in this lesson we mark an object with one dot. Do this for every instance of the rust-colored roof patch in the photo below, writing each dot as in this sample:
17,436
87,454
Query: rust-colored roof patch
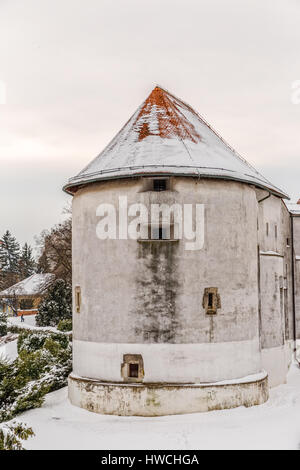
160,116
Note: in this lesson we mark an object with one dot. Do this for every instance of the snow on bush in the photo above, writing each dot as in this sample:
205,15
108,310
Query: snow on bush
43,365
11,436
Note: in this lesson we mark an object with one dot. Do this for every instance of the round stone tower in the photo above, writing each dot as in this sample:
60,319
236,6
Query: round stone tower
166,314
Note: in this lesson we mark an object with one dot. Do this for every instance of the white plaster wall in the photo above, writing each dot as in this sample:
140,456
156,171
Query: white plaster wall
169,363
276,362
272,301
274,212
118,295
297,271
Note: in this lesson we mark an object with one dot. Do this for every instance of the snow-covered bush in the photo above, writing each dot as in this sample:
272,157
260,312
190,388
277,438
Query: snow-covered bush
65,325
31,340
3,324
43,365
57,304
11,436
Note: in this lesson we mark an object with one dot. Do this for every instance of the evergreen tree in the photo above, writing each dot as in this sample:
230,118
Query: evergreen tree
57,304
27,263
9,253
3,324
9,260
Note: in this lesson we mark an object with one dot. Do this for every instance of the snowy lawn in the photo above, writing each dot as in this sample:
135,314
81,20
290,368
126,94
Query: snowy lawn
9,350
274,425
29,321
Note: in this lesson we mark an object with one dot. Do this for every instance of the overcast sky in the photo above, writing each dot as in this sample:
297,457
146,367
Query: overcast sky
75,70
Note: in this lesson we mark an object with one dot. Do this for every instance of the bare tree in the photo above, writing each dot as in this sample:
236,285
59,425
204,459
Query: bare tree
56,251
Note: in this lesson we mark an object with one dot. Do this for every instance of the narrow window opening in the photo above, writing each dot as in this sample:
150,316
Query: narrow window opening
159,185
287,242
267,228
211,300
133,370
276,231
77,299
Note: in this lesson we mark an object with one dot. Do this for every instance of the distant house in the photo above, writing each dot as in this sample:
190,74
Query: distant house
24,297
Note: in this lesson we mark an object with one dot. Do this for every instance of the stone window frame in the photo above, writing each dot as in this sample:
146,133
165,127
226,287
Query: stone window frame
132,359
211,293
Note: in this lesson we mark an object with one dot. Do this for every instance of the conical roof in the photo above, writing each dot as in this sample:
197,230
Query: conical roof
165,136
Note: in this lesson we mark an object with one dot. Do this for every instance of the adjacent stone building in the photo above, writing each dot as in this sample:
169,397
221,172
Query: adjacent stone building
161,326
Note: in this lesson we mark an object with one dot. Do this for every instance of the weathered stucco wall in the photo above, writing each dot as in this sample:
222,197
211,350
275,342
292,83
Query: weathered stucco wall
274,237
297,272
143,294
169,363
158,400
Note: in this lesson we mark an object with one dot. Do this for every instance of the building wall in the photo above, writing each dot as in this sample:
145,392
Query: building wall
297,271
146,297
275,287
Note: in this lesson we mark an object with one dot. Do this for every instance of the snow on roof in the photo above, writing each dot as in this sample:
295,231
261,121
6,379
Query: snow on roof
294,208
33,285
165,136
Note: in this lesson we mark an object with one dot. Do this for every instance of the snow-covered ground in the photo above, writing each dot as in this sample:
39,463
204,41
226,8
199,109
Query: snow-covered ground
29,321
9,350
274,425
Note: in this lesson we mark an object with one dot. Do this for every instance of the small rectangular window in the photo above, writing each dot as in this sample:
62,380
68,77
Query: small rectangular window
159,185
276,231
267,228
287,242
133,370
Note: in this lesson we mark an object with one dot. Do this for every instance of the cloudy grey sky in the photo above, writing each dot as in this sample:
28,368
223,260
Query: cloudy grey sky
76,70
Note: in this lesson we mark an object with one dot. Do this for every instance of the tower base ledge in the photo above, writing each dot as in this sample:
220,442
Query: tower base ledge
159,399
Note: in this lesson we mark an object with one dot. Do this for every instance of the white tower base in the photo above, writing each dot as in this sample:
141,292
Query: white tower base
145,399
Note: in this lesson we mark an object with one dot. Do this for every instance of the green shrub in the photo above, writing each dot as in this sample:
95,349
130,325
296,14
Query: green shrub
33,340
3,324
14,328
11,436
57,304
65,325
43,365
30,341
